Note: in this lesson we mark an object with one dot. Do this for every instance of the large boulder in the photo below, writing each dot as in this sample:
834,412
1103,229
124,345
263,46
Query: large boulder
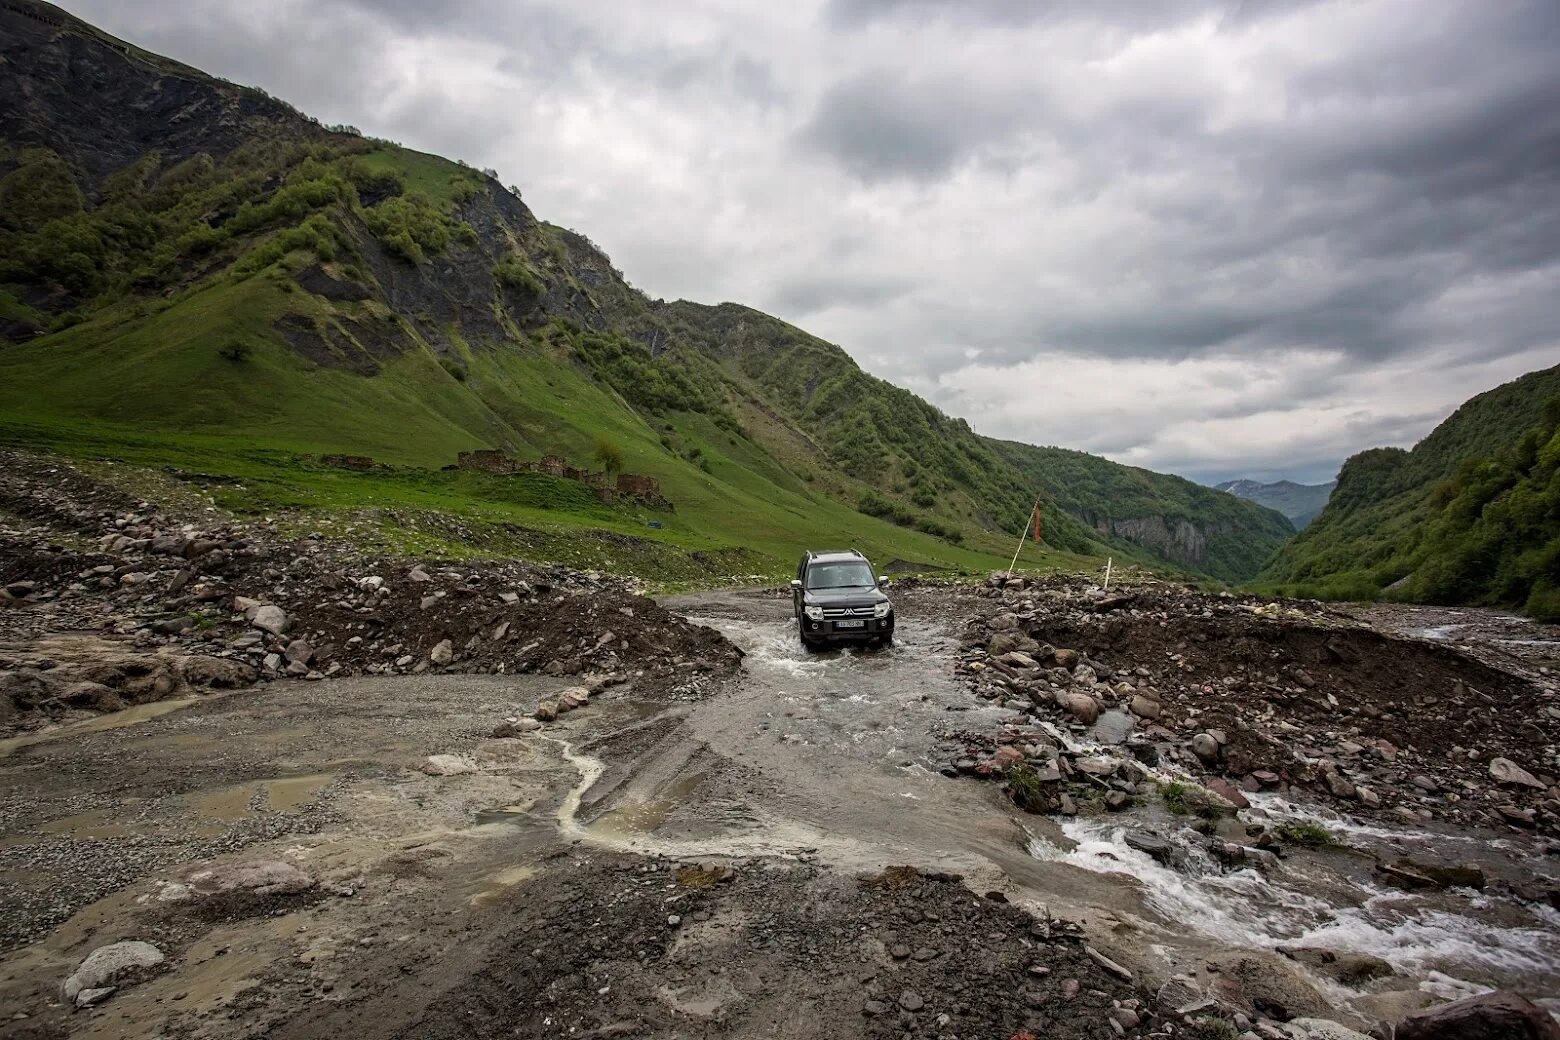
1080,706
109,966
263,877
1505,771
218,672
1501,1015
270,618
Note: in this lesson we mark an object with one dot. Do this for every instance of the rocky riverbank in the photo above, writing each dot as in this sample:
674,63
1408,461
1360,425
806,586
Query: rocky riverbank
1246,695
107,602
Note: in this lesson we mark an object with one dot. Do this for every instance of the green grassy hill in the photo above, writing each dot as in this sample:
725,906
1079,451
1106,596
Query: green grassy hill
1470,515
193,275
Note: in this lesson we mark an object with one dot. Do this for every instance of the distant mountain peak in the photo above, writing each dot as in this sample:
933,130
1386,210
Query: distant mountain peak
1299,502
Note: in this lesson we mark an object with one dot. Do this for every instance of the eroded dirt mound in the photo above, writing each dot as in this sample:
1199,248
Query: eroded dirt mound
249,604
1264,695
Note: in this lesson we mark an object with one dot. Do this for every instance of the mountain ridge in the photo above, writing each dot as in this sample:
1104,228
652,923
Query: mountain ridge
253,272
1470,514
1299,502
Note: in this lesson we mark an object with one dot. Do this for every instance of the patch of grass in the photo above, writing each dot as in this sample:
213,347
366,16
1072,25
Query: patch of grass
1210,1028
1026,790
1183,799
1306,835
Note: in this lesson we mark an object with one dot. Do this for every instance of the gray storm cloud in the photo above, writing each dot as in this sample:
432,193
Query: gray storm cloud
1218,237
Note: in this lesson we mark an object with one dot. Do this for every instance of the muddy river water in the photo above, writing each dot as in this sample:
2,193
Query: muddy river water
848,745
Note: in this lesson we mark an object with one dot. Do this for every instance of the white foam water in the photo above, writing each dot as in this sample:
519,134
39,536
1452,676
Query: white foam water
1247,908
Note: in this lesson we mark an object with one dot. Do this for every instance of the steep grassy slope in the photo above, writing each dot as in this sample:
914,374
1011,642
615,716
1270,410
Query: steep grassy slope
191,270
1300,503
1470,515
916,461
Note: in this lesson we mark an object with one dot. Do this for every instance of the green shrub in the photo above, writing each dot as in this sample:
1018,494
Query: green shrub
410,227
1305,835
1543,603
454,368
39,190
236,352
607,454
201,240
1026,789
514,273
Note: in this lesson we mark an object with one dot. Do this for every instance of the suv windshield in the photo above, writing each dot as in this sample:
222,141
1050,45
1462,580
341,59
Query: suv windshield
848,574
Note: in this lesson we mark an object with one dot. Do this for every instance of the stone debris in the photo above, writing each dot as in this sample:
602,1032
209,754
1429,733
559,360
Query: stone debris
245,603
1245,695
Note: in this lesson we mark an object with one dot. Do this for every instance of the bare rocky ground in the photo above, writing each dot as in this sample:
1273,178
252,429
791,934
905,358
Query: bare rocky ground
541,805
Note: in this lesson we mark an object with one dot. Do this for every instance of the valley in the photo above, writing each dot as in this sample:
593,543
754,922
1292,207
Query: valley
407,797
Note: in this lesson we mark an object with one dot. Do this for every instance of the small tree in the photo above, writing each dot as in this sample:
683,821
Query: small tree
608,454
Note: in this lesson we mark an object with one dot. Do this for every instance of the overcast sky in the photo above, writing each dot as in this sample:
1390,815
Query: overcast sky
1211,237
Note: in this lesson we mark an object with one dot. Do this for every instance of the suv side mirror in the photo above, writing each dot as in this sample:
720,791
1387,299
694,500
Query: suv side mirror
796,583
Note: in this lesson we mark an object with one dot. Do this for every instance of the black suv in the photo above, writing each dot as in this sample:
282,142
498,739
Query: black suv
837,599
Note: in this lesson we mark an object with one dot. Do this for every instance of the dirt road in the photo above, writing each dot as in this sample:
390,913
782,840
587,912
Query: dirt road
780,856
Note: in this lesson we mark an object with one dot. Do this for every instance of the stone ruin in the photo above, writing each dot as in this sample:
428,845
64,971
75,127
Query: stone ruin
646,490
358,463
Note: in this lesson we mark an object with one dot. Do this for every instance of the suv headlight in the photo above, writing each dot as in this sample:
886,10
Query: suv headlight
882,610
815,613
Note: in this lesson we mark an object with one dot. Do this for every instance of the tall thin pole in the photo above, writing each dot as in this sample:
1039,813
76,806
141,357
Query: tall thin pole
1028,521
1107,574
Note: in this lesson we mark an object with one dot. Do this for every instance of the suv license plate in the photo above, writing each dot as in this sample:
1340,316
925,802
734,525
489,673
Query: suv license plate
850,624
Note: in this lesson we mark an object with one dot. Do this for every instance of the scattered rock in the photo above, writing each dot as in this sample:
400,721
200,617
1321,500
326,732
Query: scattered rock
443,653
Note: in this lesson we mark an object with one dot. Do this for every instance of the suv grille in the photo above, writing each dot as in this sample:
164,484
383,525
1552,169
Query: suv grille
831,613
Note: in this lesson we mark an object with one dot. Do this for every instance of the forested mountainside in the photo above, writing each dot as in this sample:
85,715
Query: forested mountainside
1470,515
195,268
1299,502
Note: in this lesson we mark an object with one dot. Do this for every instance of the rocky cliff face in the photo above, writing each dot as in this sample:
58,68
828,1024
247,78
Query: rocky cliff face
98,101
1179,540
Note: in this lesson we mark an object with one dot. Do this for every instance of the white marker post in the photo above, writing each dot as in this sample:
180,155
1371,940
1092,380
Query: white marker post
1107,574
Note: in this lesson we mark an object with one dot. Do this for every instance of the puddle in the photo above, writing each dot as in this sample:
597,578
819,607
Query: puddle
626,821
224,806
116,720
505,814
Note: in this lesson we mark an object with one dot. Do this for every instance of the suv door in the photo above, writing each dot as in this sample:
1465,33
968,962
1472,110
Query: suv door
798,586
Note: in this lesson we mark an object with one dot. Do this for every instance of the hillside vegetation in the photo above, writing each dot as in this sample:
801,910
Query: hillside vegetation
1470,515
195,275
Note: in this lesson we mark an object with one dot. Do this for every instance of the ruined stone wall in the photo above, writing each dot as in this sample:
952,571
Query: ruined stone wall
632,485
487,460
